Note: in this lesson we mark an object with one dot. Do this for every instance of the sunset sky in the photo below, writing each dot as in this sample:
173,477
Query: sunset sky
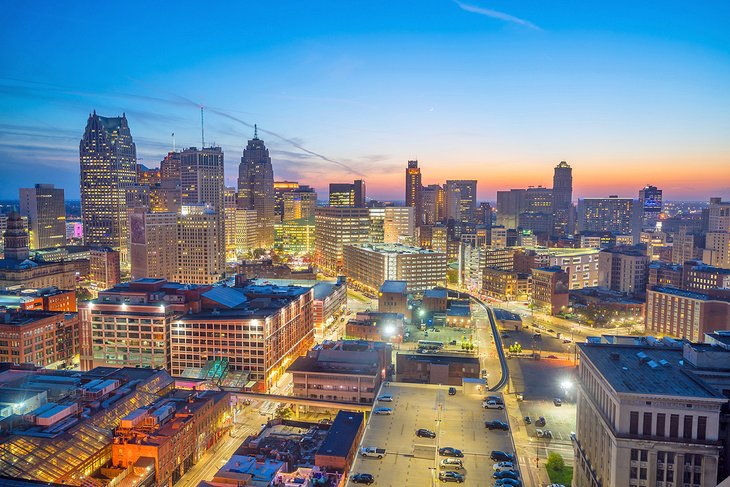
627,92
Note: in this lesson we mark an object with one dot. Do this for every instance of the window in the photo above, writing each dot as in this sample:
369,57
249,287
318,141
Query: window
687,433
660,418
647,424
674,426
634,423
702,427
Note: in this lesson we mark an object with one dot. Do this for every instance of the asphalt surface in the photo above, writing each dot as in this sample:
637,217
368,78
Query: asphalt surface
412,461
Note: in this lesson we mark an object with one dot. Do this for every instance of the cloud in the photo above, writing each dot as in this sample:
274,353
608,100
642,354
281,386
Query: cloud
495,15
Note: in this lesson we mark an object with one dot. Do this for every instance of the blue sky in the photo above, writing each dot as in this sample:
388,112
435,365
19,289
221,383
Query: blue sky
628,92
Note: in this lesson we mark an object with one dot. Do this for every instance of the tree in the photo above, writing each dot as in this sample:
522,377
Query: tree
83,294
283,412
555,461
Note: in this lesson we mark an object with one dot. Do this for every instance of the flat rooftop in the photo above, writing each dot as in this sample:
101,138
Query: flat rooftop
342,434
394,287
438,293
659,371
392,248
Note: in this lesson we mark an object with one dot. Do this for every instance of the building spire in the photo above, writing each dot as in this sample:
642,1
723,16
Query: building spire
255,131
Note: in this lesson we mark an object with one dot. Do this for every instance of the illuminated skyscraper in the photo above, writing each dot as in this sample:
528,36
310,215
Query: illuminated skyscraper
256,188
348,194
44,206
562,201
108,159
650,205
461,200
433,199
201,177
414,197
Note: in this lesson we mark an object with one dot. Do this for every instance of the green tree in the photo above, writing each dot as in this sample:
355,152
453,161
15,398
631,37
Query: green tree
555,461
283,412
83,294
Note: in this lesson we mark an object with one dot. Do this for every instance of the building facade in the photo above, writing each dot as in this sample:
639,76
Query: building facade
685,314
562,201
44,206
414,188
624,269
201,177
550,289
334,228
41,338
461,200
256,189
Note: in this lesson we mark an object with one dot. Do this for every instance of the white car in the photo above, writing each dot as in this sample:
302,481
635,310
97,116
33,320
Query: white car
386,398
451,464
381,411
492,405
498,467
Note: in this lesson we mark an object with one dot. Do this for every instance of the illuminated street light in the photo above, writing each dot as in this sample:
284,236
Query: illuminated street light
389,330
566,384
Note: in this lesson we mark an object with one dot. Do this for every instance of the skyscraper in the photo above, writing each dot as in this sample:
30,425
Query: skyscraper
108,159
562,205
433,199
414,197
256,188
613,214
43,204
461,200
201,177
650,205
348,194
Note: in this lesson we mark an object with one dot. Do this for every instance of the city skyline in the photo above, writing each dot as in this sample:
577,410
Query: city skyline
473,91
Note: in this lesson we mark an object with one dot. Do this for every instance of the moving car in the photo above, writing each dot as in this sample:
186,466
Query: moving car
506,474
557,401
500,456
371,451
424,433
386,398
362,478
498,467
452,391
381,411
496,425
451,464
449,476
448,451
492,405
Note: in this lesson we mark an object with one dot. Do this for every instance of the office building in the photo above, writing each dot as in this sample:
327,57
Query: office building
247,238
433,200
664,274
201,177
461,200
41,338
200,246
293,201
509,206
348,194
295,237
685,246
44,207
254,331
153,244
334,228
619,216
17,271
624,269
581,266
536,215
230,205
718,216
170,167
346,371
392,224
550,289
703,278
649,415
414,189
506,285
104,268
108,159
717,249
650,205
685,314
563,217
256,189
369,265
329,300
165,196
442,368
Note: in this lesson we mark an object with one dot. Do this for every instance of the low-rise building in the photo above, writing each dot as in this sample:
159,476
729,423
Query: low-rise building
393,298
345,371
266,269
377,327
174,431
624,269
581,266
441,368
506,285
435,300
685,314
329,300
45,299
663,273
602,306
550,289
41,338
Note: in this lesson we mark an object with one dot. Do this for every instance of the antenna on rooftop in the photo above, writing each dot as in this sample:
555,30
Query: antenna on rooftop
202,128
173,142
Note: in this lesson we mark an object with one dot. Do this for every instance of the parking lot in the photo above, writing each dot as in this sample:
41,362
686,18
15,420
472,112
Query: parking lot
547,344
458,422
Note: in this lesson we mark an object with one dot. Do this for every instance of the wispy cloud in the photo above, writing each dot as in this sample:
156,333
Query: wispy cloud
495,14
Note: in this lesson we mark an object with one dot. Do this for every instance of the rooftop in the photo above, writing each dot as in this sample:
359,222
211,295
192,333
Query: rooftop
342,434
641,369
393,248
324,288
680,292
394,287
437,293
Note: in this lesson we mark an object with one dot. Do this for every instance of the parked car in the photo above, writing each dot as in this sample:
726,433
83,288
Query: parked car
448,451
452,391
386,398
383,411
567,340
496,425
507,482
451,464
496,399
557,401
537,336
500,456
325,421
505,335
498,467
506,474
543,433
540,422
551,331
424,433
528,420
371,451
492,405
452,342
552,356
450,476
362,478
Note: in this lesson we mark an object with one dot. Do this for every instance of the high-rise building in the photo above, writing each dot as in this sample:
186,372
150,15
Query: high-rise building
562,200
165,196
229,221
392,224
718,219
294,237
348,194
717,240
536,215
433,200
247,238
108,169
256,188
154,244
335,227
44,206
619,216
170,167
104,268
684,247
299,203
461,200
509,206
201,177
650,205
201,245
414,189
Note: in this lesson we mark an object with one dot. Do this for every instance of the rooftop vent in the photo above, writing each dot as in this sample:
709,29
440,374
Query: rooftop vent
652,364
664,362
